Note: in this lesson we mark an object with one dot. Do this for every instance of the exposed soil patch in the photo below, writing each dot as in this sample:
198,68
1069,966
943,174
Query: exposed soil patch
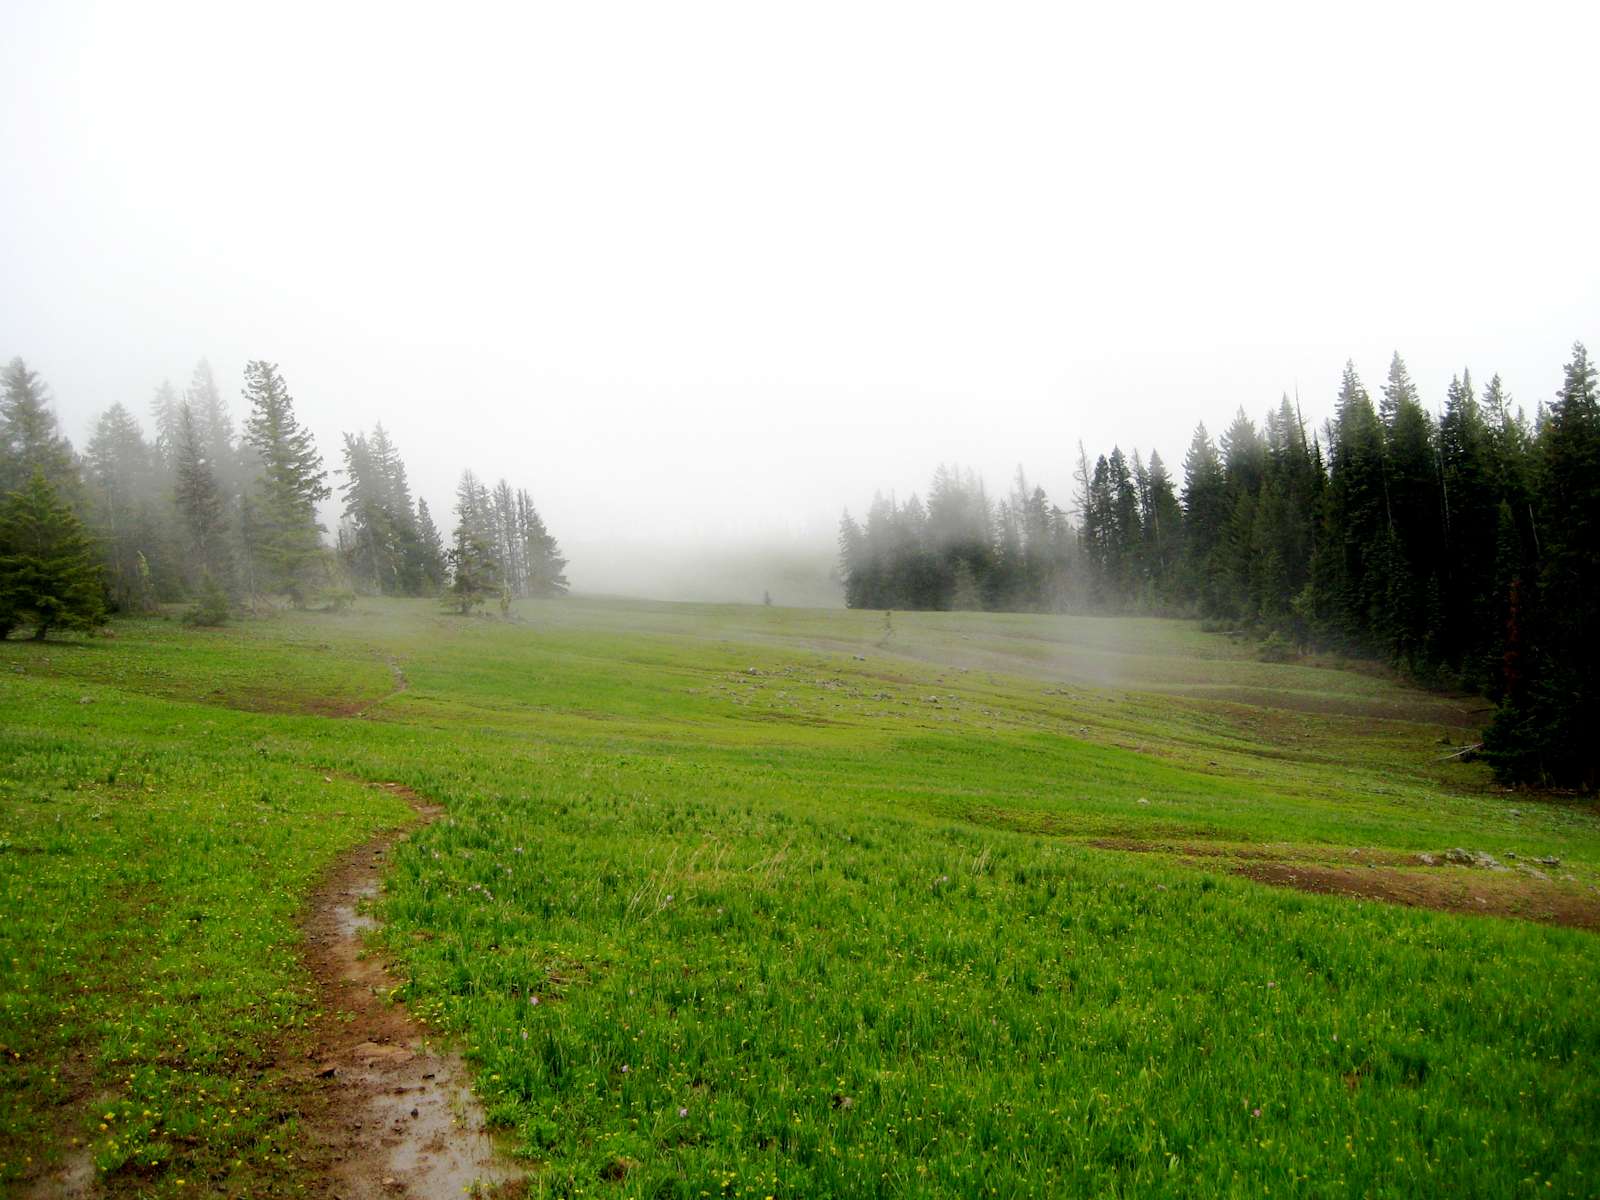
391,1115
73,1175
1358,856
1449,891
1451,881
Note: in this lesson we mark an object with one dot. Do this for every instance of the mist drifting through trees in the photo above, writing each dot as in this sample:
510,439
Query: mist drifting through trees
1460,548
198,512
1465,550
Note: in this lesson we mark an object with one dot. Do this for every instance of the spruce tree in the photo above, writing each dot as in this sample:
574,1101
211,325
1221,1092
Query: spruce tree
544,569
1415,510
202,508
853,563
474,574
1349,584
1470,504
126,512
431,555
1161,525
292,482
164,413
1205,517
214,428
1544,729
50,574
30,438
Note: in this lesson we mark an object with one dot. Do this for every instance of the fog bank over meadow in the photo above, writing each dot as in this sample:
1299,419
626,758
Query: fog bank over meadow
704,277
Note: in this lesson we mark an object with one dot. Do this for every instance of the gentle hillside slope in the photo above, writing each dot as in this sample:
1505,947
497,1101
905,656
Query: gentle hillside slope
758,901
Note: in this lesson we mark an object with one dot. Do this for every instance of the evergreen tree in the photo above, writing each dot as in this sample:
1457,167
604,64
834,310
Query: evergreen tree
125,511
412,556
49,569
474,566
854,564
164,413
286,539
1544,729
1205,518
1470,519
214,429
1415,508
1349,584
201,507
367,541
544,569
1161,527
431,554
30,438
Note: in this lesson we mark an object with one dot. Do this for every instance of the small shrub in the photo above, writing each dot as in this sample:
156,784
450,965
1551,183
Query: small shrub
1277,649
210,607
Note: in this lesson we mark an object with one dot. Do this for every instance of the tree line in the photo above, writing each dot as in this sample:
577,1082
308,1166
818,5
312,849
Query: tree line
1463,548
197,511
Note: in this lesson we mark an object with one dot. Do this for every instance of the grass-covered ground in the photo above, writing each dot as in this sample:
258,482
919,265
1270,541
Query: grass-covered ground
742,901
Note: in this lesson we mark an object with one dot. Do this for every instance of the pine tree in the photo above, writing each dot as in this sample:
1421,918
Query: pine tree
30,438
291,484
1544,728
125,511
853,563
1415,508
164,414
1161,525
411,566
1470,521
1205,518
544,569
214,429
201,507
1349,584
49,569
474,574
431,556
367,536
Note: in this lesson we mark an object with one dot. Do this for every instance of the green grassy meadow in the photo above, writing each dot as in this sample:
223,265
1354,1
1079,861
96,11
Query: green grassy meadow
741,901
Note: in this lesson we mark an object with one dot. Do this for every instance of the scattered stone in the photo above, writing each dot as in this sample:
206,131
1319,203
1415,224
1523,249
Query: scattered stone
1549,860
1458,856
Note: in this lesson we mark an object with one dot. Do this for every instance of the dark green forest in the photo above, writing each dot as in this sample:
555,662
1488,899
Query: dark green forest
1463,548
196,512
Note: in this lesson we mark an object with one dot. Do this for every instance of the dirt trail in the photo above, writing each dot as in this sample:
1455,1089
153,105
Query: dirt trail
392,1114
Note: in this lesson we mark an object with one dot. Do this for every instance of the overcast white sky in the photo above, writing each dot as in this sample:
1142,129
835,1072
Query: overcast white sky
715,271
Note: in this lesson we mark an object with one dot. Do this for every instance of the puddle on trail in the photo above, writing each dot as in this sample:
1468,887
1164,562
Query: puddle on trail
395,1114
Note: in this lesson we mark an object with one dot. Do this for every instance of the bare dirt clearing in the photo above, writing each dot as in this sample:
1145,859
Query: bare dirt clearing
1457,890
1450,881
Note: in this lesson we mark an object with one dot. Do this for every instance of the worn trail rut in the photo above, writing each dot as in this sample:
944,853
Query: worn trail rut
392,1114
